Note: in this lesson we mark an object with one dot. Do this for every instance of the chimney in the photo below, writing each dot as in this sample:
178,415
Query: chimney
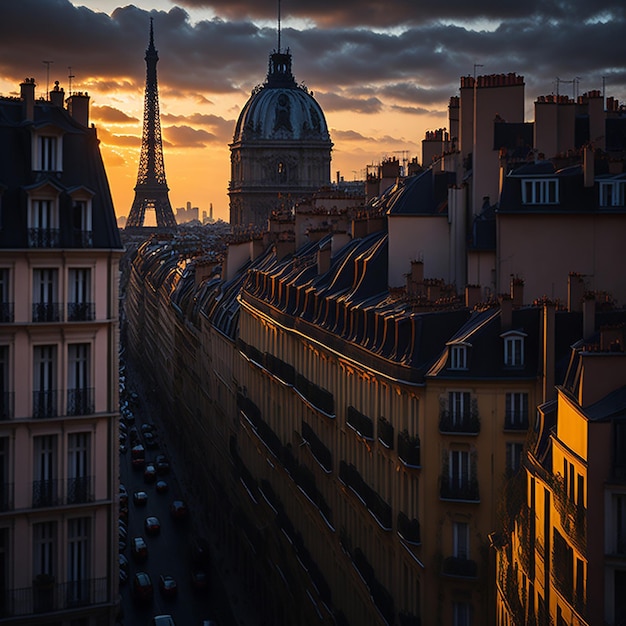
472,296
612,338
575,292
517,291
78,107
28,96
506,311
549,320
588,165
589,315
57,95
323,259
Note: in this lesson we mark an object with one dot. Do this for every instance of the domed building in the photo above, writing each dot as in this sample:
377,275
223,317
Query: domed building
281,147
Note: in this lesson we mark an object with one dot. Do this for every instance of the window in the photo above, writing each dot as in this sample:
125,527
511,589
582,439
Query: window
613,193
459,406
79,393
462,612
45,471
78,468
6,397
516,416
45,381
459,468
461,540
48,153
458,357
513,457
43,223
619,508
44,554
81,224
6,305
45,295
79,304
514,351
78,574
6,488
540,191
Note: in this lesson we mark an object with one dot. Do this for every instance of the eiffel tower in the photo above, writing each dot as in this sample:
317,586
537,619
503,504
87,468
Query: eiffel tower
151,190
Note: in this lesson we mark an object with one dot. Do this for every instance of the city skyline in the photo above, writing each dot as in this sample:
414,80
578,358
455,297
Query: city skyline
383,78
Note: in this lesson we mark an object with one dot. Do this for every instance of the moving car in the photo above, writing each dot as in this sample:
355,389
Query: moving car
168,586
162,620
140,498
199,579
179,510
161,486
142,587
139,549
152,525
162,464
149,473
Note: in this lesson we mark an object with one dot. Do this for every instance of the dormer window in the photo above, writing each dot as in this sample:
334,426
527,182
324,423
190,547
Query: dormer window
540,191
47,150
82,234
514,351
613,193
43,217
458,357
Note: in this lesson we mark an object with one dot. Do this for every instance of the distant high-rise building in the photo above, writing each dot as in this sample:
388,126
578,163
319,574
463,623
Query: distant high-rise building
151,190
59,263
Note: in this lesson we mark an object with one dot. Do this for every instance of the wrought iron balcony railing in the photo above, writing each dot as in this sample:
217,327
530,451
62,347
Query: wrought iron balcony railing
82,238
47,596
79,490
7,403
80,311
360,423
459,488
80,401
45,403
6,312
44,237
46,493
6,496
385,432
461,424
409,529
409,449
46,312
516,420
461,567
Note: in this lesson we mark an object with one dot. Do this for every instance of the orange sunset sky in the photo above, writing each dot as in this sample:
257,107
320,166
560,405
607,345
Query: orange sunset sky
383,72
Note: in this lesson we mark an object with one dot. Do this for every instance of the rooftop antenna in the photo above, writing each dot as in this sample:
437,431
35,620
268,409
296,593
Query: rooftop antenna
278,25
47,63
70,76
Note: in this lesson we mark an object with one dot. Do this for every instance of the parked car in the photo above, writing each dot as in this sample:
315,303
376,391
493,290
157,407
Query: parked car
139,549
162,620
179,510
140,498
150,473
168,586
142,587
152,525
123,497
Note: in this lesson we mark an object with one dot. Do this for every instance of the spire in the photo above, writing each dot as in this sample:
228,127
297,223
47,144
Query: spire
279,73
278,49
151,190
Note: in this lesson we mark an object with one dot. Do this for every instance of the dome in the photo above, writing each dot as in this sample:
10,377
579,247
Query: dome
281,109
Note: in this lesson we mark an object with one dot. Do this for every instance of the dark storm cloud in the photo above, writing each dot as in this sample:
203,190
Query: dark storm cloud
349,62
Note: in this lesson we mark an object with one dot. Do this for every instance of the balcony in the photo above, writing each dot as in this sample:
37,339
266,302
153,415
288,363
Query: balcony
80,311
460,567
321,453
44,237
460,488
360,423
46,596
514,420
79,490
45,403
80,401
409,529
45,493
320,398
409,449
385,433
82,238
6,312
46,312
7,401
459,424
6,496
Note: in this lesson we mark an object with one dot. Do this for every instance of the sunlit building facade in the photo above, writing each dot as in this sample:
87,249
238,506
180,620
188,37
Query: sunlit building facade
59,255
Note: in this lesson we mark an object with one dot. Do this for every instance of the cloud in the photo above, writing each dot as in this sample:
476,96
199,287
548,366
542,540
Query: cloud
121,141
220,127
187,137
111,115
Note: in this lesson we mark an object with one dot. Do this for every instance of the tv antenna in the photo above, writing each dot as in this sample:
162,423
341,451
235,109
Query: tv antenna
278,25
47,64
70,76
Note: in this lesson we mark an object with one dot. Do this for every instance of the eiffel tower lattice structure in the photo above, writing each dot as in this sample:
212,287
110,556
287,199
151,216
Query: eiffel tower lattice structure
151,190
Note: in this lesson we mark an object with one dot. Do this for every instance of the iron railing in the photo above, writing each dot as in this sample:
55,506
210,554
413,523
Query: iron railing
80,311
80,401
46,312
45,403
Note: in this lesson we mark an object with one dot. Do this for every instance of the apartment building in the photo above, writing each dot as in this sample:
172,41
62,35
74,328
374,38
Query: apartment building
59,255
